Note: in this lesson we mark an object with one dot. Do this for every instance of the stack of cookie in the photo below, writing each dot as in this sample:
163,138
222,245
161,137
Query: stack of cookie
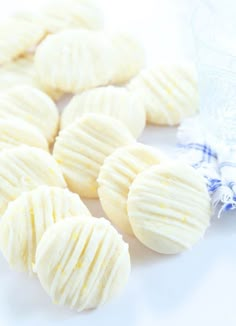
82,261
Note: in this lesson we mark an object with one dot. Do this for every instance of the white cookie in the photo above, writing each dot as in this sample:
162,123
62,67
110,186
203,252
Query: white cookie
24,168
74,60
17,72
116,176
17,37
33,106
15,132
82,262
22,72
169,207
29,216
64,14
129,57
30,17
169,92
81,148
113,101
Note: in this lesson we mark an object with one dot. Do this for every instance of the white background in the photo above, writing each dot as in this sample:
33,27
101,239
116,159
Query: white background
194,288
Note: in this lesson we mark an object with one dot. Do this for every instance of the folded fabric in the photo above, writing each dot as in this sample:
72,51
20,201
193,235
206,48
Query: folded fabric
216,163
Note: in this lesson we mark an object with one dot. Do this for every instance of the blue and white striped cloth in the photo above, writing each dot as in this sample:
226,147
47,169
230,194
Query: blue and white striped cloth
218,166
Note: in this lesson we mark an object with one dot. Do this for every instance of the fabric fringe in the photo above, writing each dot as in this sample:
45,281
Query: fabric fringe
217,166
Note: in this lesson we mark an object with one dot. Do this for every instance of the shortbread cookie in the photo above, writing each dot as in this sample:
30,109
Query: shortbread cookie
169,207
74,60
15,132
16,73
169,93
82,262
81,148
17,37
22,72
129,57
116,176
64,14
24,168
28,217
33,106
113,101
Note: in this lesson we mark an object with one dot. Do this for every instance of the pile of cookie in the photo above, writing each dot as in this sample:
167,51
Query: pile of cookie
48,162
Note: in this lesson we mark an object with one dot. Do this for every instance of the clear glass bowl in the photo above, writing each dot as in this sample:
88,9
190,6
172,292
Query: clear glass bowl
215,39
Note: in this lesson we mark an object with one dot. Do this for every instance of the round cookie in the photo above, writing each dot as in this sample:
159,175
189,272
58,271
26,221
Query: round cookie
169,93
169,207
29,216
22,72
82,262
129,57
74,60
24,168
33,106
64,14
81,148
113,101
17,37
15,132
116,176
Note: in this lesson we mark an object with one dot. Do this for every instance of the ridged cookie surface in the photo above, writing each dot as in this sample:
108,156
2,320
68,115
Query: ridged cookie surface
82,262
113,101
15,132
29,216
17,37
169,207
81,148
33,106
129,57
22,72
24,168
116,176
169,92
64,14
74,60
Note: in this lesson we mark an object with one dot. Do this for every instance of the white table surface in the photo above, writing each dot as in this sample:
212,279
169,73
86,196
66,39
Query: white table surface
197,287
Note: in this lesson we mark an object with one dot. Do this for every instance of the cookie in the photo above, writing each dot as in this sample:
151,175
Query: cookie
66,14
22,72
33,106
81,148
169,207
74,60
17,37
169,92
129,57
116,176
82,262
15,132
116,102
29,216
24,168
